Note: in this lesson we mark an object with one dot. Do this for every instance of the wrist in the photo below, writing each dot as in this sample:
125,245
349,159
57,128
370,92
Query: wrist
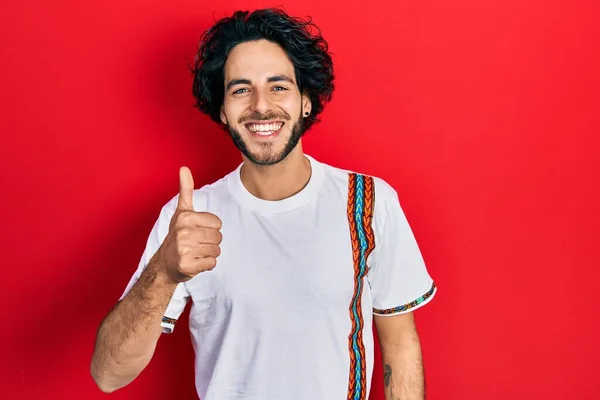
161,273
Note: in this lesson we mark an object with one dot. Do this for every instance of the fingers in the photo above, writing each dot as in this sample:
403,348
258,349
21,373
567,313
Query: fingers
191,237
200,219
209,236
192,266
186,190
207,263
207,250
196,235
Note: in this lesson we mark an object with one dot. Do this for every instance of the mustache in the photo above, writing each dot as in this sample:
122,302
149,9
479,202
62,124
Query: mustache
257,116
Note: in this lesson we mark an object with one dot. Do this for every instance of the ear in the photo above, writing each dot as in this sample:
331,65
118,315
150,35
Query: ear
306,105
223,116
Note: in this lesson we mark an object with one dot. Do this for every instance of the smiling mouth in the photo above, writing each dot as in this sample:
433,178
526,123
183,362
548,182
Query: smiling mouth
264,129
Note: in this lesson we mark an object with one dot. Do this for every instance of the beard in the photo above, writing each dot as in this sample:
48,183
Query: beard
266,156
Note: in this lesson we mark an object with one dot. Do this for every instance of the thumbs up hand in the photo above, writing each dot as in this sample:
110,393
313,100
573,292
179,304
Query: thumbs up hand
192,244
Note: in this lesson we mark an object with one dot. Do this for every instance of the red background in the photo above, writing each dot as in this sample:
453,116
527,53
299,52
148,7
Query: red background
484,115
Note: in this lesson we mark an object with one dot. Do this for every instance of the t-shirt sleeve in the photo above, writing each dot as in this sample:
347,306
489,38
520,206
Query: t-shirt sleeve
398,276
157,236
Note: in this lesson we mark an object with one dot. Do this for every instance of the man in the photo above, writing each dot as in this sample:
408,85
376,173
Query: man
287,261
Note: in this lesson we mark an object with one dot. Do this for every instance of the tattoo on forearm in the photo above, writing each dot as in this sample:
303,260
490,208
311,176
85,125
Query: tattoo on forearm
387,374
412,388
389,383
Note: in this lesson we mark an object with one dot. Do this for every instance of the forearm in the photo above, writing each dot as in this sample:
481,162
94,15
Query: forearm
403,369
127,337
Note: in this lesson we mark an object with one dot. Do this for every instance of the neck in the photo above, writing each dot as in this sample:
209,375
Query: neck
279,181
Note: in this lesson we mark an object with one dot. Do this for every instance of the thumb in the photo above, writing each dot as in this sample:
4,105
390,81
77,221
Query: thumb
186,188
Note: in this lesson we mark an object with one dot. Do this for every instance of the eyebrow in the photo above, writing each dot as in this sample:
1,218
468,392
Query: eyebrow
280,78
276,78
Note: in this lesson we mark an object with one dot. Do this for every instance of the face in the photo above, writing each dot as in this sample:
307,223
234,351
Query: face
263,107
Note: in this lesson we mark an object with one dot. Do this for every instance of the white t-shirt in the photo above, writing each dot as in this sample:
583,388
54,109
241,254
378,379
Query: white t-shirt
287,312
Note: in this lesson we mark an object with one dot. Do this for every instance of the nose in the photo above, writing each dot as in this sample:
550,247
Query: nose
260,102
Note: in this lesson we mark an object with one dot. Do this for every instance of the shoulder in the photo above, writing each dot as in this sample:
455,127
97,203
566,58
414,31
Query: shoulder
355,184
383,191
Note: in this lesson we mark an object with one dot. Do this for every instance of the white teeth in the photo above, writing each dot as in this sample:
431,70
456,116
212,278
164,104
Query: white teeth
265,129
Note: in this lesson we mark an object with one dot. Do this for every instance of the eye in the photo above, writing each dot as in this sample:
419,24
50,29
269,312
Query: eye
240,91
279,88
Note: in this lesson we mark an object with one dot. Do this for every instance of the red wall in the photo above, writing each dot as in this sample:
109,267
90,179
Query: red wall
484,115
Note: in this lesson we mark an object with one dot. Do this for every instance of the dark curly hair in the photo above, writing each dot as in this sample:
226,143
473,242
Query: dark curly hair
300,39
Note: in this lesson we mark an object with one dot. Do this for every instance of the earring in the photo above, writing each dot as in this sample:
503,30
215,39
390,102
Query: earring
306,114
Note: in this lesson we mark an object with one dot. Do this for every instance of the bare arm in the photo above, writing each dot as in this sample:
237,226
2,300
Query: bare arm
401,354
128,335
